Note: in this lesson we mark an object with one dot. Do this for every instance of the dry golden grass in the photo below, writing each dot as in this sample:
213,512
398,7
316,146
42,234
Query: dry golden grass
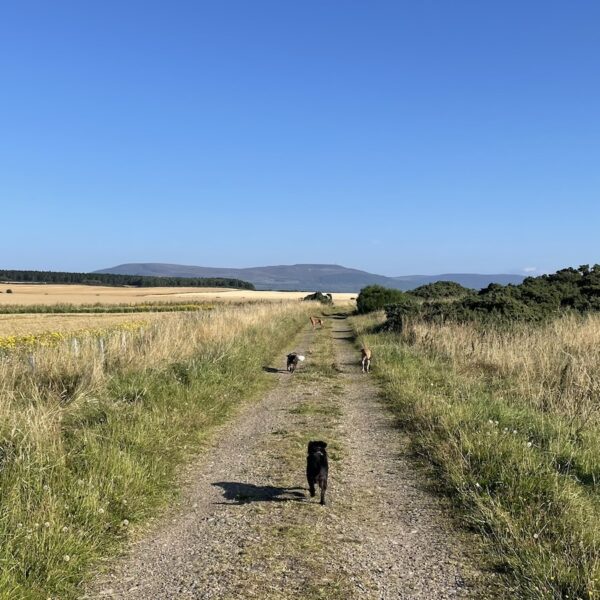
172,338
555,366
510,417
27,294
93,426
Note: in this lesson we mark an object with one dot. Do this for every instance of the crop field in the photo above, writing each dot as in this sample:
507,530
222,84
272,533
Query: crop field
36,294
41,294
34,324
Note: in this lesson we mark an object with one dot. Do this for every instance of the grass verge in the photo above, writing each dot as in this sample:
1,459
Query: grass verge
79,472
524,477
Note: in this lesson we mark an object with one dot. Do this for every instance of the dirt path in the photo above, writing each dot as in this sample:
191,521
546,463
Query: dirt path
245,527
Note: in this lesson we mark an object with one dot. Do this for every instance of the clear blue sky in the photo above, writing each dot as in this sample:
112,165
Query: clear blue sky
399,137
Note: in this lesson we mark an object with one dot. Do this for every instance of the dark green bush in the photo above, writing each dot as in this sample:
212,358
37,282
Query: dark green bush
534,300
441,289
319,297
376,297
400,314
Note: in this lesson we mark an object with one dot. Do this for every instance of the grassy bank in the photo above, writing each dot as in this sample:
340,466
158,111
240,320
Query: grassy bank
91,434
509,417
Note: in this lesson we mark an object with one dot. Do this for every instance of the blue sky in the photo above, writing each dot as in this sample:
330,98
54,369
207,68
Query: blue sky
397,137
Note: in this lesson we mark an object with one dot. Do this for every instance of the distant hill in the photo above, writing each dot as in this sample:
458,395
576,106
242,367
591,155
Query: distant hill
327,278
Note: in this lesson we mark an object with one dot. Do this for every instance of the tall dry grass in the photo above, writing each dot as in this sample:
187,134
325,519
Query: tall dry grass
92,429
92,359
509,416
554,367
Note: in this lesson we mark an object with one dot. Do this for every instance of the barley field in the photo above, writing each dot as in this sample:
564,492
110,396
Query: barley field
35,324
30,294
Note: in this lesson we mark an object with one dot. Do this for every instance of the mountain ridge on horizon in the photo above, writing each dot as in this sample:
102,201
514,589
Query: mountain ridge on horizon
310,276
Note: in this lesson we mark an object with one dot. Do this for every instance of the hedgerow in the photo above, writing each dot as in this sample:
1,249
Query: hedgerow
537,299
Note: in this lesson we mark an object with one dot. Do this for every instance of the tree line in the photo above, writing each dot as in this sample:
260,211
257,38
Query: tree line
112,279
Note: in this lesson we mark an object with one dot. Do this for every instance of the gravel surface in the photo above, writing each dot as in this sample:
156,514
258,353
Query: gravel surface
245,527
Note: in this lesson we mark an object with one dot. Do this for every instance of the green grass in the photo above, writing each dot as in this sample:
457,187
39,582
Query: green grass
314,408
79,479
99,308
526,479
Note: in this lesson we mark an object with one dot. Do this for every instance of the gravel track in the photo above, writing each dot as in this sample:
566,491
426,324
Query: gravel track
245,527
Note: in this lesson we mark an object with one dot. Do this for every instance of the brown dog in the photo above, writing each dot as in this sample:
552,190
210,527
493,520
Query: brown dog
314,321
366,355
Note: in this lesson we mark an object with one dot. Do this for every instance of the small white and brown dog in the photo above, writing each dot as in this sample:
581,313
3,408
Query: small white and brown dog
292,361
366,355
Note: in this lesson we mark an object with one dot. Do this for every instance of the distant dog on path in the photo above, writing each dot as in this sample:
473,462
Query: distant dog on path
314,321
317,468
366,355
292,361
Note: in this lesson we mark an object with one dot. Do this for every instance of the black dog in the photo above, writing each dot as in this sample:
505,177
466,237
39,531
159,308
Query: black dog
317,468
292,361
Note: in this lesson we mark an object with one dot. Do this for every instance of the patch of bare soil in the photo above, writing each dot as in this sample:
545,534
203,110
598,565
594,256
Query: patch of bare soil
246,528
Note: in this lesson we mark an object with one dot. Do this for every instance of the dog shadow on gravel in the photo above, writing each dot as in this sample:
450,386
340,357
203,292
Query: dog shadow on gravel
273,370
243,493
